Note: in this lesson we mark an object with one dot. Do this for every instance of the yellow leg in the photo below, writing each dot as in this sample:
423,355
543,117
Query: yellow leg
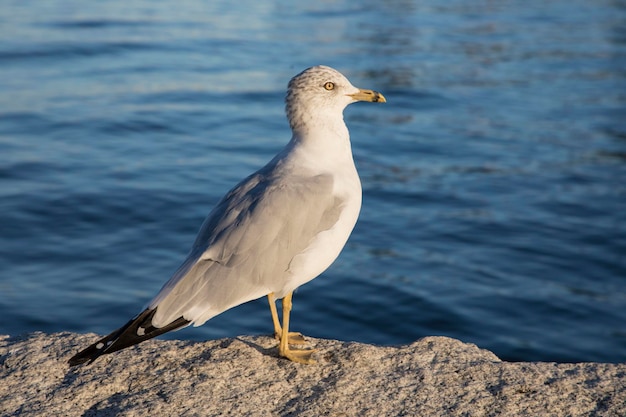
277,329
295,355
295,338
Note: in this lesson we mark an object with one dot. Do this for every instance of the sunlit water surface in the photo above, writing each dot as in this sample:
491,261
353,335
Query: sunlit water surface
494,179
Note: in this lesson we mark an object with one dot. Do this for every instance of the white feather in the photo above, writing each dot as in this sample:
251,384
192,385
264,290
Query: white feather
283,225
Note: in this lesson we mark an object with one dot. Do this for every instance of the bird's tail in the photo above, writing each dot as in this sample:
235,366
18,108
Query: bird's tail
135,331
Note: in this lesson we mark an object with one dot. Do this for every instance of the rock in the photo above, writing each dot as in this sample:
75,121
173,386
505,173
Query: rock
434,376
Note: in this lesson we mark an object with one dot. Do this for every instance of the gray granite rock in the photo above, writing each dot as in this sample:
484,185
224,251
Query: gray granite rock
434,376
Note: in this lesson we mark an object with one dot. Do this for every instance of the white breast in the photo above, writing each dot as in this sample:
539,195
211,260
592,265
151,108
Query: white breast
326,246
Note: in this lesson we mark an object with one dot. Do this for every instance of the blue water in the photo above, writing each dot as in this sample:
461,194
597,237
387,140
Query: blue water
494,179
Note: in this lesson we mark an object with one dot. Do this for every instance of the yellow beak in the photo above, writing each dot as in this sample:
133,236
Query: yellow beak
368,95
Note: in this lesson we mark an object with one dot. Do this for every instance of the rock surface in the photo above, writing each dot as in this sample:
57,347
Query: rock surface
434,376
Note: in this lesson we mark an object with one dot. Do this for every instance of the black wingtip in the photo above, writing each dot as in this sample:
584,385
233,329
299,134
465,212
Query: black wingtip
137,330
95,350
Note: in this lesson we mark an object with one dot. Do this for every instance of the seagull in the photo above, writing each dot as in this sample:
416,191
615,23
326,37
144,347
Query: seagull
277,229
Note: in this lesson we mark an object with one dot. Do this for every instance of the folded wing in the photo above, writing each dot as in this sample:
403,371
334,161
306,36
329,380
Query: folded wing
245,246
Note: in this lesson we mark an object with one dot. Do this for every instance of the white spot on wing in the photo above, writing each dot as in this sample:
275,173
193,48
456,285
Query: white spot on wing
100,345
141,331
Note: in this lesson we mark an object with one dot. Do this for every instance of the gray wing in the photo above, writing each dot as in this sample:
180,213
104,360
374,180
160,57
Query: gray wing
245,245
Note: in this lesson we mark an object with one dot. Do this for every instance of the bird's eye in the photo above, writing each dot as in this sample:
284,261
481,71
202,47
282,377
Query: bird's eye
329,86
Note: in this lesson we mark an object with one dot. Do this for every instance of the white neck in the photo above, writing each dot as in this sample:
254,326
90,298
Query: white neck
324,139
